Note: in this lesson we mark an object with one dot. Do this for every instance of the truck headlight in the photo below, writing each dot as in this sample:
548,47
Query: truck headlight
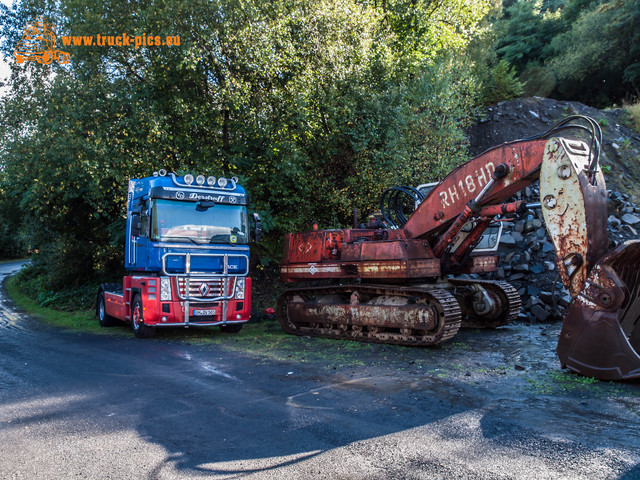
165,288
240,288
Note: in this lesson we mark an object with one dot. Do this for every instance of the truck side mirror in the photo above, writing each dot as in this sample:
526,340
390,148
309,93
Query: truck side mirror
137,208
257,232
136,218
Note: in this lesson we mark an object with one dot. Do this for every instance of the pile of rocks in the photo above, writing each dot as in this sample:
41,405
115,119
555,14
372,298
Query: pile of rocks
528,256
624,218
522,118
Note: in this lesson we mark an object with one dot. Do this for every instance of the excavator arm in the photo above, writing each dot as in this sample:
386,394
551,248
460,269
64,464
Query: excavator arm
573,198
447,200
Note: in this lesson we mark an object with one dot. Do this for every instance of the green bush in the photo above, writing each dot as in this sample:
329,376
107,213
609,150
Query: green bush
634,111
538,80
500,83
32,282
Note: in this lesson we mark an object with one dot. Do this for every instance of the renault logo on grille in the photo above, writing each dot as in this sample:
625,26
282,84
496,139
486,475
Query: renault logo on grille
204,289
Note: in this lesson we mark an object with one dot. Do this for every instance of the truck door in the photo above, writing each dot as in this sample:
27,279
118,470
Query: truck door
140,234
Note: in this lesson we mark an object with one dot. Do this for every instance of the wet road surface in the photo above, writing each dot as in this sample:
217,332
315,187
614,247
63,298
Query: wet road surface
95,406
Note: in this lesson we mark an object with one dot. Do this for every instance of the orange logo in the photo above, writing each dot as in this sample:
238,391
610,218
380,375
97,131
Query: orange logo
38,44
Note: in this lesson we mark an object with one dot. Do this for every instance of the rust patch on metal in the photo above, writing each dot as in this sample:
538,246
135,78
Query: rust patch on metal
449,198
388,316
575,212
415,316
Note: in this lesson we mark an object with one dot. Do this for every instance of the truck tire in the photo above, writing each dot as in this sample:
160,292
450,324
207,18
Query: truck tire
140,330
101,312
234,328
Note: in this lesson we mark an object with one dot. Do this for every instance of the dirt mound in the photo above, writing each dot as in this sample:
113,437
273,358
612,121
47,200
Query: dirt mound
522,118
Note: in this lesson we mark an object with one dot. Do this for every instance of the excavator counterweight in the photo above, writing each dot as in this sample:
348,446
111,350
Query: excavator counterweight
400,281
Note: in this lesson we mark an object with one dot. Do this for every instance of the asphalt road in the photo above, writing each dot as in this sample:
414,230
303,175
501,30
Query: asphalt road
111,407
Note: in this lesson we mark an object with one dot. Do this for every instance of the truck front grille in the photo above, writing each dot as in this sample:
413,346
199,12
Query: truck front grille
204,288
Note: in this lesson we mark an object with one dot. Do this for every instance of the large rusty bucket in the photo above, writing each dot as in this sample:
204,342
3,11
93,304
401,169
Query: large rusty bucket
600,336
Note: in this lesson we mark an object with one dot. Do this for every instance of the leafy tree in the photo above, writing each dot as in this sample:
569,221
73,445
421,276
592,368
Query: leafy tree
525,32
583,50
598,59
317,106
497,77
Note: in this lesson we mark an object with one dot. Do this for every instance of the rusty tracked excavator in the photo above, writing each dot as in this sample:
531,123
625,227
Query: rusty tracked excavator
398,284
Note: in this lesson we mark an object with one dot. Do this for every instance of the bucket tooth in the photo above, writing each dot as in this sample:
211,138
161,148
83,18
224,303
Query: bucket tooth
600,336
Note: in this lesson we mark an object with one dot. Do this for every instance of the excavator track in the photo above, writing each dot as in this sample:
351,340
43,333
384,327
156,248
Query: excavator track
503,294
413,316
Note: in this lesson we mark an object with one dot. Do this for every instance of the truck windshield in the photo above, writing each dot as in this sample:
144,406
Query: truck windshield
173,221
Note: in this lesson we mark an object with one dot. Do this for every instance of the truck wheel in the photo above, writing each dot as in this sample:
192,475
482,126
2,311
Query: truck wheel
140,330
101,311
234,328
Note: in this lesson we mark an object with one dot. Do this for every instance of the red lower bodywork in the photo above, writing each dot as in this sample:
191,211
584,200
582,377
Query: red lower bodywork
157,312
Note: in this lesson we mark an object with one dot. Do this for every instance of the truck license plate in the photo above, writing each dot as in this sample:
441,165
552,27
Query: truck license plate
204,313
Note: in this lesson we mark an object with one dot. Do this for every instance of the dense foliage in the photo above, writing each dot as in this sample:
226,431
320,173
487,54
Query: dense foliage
316,105
586,50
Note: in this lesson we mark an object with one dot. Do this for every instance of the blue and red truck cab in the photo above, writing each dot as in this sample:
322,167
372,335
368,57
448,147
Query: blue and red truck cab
187,253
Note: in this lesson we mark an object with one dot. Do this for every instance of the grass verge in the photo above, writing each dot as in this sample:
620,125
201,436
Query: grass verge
634,111
82,320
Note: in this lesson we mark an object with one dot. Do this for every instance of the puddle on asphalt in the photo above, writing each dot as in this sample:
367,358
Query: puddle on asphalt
515,363
216,371
9,319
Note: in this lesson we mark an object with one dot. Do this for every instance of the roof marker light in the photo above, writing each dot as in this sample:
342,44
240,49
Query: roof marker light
211,181
200,179
188,179
162,172
222,182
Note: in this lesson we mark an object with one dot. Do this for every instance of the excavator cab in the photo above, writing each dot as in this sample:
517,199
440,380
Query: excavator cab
489,240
